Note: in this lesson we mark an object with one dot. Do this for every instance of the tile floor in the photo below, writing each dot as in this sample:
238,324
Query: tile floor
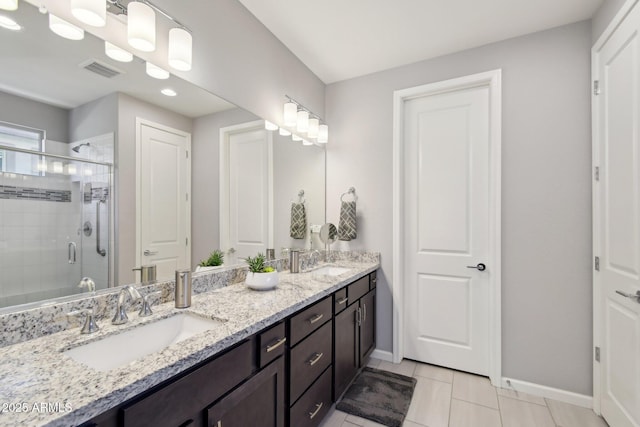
443,397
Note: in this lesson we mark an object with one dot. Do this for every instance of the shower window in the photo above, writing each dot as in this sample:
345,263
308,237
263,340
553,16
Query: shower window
25,138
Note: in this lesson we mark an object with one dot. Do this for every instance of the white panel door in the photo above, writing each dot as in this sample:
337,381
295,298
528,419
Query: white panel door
446,226
617,215
249,192
164,169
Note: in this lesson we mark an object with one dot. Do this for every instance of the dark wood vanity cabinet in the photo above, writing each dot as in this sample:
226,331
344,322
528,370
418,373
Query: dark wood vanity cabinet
354,332
286,375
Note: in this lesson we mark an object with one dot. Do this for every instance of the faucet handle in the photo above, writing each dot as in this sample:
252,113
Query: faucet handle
145,309
90,326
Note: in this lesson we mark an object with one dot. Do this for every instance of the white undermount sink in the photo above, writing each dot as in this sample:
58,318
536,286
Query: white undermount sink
120,349
330,270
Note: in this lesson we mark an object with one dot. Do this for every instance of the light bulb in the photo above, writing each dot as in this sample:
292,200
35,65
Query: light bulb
180,49
270,126
296,138
141,27
9,4
9,24
168,92
284,132
305,142
91,12
313,128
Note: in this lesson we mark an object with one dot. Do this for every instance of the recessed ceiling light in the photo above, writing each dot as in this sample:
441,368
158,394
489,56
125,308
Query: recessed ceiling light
9,24
169,92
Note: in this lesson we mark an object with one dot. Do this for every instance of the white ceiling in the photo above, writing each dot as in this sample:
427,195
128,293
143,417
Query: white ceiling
341,39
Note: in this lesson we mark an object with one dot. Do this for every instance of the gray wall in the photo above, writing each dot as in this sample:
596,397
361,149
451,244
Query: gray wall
603,16
128,109
26,112
205,180
546,191
94,118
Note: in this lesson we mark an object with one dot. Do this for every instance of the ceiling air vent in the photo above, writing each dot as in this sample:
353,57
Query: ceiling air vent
101,68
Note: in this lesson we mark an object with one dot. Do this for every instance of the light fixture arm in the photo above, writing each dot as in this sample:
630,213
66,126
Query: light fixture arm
166,15
312,115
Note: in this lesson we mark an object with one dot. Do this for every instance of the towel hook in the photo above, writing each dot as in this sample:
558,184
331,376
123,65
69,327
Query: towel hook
351,191
300,196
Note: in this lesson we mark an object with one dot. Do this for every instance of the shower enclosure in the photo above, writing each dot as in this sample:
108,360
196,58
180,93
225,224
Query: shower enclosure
55,225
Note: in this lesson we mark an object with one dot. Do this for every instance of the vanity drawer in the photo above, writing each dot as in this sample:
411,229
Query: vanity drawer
357,289
314,404
272,344
309,359
307,321
340,300
181,401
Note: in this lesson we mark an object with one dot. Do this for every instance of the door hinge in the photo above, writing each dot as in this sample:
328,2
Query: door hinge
596,173
186,241
187,197
597,263
596,87
597,354
187,153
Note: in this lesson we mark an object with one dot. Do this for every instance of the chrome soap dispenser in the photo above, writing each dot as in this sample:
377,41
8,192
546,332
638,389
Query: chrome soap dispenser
183,288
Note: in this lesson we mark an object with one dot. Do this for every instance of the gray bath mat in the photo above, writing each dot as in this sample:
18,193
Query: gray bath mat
380,396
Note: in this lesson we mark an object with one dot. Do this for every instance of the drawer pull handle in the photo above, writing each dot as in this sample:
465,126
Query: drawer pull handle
276,344
375,280
314,413
219,424
315,318
343,300
315,360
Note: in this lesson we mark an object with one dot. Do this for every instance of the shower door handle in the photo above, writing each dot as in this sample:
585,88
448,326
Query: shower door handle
100,251
71,252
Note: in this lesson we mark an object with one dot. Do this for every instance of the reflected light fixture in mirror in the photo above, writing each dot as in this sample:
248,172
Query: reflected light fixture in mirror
168,92
306,122
284,132
305,142
156,72
296,138
91,12
9,4
180,43
141,26
313,127
270,126
323,134
65,29
303,121
9,24
117,54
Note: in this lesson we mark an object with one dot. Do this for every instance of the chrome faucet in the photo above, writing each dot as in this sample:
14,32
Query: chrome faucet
90,325
120,317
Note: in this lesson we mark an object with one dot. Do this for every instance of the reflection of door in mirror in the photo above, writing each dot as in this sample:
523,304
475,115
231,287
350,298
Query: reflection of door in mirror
246,189
164,202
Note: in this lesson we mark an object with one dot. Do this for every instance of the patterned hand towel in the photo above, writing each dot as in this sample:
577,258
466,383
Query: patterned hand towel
347,229
298,221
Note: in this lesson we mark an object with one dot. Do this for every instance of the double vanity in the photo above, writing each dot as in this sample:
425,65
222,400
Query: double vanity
235,357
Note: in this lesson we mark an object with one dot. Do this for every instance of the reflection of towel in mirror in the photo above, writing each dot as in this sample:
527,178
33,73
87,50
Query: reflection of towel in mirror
347,229
298,221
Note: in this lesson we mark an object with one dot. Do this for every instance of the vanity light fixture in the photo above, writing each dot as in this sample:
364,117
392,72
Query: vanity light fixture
71,169
323,134
9,24
65,29
270,126
9,4
156,72
290,114
180,49
305,142
168,92
58,167
141,26
314,124
302,124
91,12
296,138
284,132
116,53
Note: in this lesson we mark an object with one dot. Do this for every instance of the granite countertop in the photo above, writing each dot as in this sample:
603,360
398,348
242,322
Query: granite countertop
39,385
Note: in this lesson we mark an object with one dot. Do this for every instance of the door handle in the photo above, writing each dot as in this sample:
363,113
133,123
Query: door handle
147,252
635,296
479,267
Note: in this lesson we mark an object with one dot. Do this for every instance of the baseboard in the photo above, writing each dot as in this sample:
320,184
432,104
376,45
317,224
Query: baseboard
387,356
548,392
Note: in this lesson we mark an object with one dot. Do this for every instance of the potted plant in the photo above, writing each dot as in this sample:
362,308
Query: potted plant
260,276
215,260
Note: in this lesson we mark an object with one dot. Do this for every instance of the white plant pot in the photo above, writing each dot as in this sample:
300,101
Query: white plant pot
215,267
262,281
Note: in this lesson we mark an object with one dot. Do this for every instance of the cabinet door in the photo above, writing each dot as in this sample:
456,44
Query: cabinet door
368,326
345,349
258,402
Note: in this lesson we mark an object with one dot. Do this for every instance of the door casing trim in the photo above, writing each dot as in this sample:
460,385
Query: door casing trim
493,80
